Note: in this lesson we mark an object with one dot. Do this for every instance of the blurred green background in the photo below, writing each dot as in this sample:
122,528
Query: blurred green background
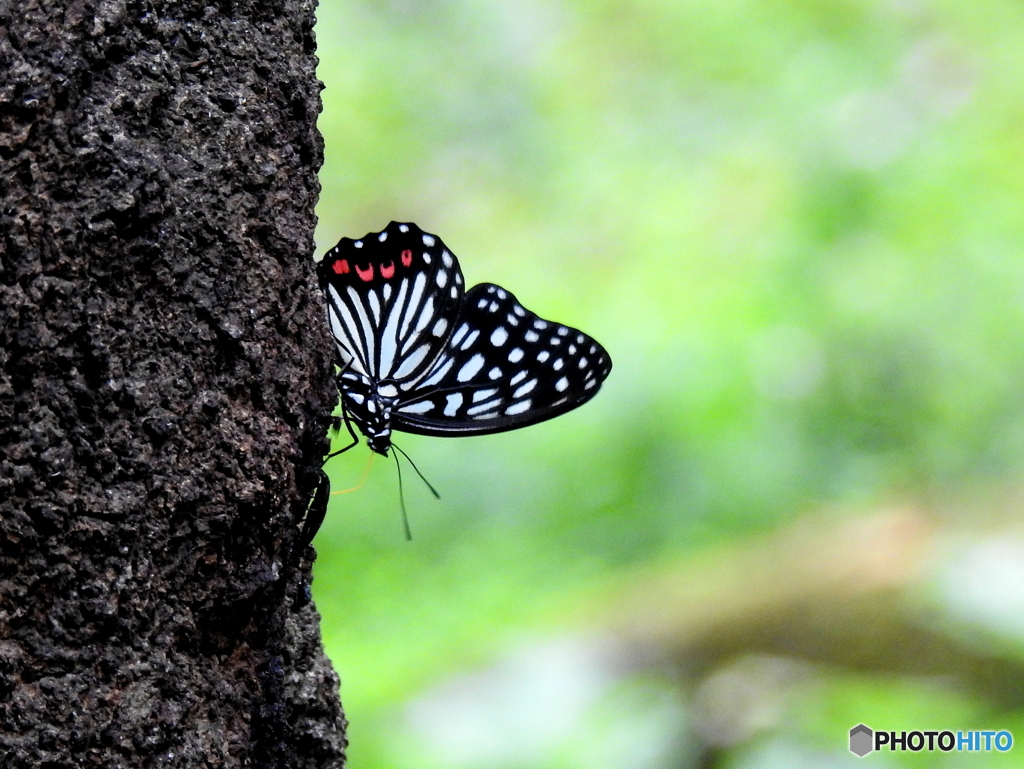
795,505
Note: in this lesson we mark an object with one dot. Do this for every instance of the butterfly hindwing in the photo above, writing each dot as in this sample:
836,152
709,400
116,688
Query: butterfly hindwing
503,367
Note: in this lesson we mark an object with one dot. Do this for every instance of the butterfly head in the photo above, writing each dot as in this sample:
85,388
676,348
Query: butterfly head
380,443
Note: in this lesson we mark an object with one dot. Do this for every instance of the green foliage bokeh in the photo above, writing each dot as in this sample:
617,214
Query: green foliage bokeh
795,226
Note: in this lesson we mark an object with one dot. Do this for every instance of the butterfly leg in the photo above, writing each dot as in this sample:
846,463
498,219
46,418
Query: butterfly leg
316,512
346,419
352,433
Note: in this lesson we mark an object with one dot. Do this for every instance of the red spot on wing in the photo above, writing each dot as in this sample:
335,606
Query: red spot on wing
366,274
387,270
406,258
340,267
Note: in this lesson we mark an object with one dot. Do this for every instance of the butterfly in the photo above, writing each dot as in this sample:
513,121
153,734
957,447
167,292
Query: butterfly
418,353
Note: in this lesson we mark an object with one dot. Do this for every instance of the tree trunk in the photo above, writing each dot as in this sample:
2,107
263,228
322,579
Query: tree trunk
165,386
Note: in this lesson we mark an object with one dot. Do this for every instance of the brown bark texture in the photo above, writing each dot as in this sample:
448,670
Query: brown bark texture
165,386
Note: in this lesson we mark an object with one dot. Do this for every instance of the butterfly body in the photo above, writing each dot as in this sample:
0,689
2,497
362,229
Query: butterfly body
372,411
420,354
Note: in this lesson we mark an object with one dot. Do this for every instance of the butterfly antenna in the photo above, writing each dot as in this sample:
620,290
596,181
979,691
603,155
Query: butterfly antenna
401,499
409,460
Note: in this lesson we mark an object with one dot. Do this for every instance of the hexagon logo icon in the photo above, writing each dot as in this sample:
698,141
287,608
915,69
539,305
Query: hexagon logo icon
861,740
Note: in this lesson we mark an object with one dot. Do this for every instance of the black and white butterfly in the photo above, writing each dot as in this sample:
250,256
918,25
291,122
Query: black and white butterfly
420,354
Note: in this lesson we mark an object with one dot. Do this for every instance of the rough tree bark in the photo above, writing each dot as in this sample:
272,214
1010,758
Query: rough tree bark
165,386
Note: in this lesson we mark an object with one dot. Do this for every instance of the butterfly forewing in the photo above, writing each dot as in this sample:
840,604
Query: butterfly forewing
502,368
392,301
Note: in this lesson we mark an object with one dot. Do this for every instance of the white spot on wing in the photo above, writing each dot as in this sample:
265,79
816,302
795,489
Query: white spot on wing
428,240
524,389
543,355
470,339
426,258
382,237
438,374
455,291
532,336
389,335
583,362
470,368
562,385
459,333
446,258
419,282
343,328
489,406
518,408
411,306
441,279
440,327
374,305
558,364
426,314
482,395
498,336
518,378
453,405
502,294
388,391
516,355
412,361
403,228
364,322
493,307
540,323
494,373
358,244
417,408
519,310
